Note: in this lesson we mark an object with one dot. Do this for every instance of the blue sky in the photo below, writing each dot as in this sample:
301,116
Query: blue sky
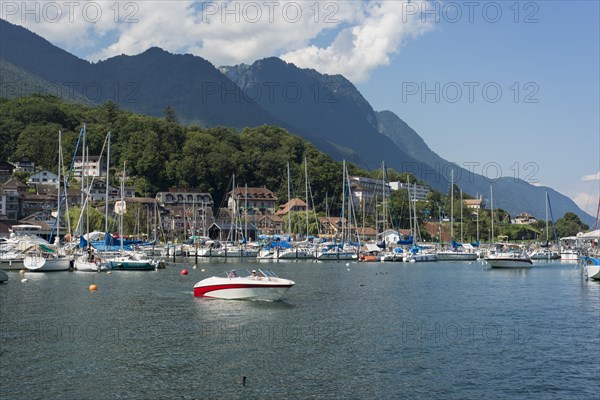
543,56
559,54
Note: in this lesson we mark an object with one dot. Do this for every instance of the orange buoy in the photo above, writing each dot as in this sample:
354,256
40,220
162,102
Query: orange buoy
92,287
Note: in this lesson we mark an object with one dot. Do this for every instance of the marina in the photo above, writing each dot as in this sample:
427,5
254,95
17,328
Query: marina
328,200
451,330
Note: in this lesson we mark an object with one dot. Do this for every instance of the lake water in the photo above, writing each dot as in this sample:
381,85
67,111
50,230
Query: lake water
364,331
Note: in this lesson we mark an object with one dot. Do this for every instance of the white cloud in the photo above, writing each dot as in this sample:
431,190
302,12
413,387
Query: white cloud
587,202
382,29
592,177
366,34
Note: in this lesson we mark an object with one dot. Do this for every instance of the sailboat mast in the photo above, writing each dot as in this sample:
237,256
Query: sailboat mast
546,217
194,215
185,221
348,230
492,212
409,205
461,216
82,170
106,192
234,210
383,196
306,193
452,204
477,219
122,208
415,213
343,225
289,214
58,199
87,202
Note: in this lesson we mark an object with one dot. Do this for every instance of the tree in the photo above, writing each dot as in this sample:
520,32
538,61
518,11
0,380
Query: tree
21,176
570,225
96,219
171,115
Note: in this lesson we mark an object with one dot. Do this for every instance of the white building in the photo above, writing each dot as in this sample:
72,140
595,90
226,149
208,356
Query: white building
420,193
367,192
475,204
44,177
95,166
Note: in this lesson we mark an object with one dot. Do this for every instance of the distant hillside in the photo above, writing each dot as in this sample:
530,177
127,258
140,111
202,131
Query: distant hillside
326,110
146,83
14,82
327,106
510,194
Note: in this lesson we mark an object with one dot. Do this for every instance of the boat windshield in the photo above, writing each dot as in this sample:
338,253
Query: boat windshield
268,273
235,273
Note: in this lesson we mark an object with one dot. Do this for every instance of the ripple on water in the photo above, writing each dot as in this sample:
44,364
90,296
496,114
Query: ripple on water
440,330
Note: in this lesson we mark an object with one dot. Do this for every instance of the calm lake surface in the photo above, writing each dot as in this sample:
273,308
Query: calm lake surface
363,331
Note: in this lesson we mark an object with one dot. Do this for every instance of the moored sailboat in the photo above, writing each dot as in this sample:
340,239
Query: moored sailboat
130,261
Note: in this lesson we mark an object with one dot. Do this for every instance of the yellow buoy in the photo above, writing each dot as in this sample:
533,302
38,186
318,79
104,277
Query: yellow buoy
92,287
22,272
203,270
109,273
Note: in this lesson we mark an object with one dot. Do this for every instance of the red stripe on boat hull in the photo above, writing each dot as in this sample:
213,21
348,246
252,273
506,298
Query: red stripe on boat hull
204,291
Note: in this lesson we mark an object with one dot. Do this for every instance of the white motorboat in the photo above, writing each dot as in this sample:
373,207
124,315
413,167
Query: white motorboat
297,253
591,267
11,260
336,253
508,256
240,284
544,254
393,255
421,257
569,249
422,253
454,254
46,263
132,261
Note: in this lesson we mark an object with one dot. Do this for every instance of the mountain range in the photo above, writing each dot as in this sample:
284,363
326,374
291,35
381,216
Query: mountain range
327,110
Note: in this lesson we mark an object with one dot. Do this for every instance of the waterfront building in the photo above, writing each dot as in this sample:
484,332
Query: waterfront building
11,193
419,192
474,204
367,192
259,201
24,165
294,205
524,219
44,177
185,211
94,166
